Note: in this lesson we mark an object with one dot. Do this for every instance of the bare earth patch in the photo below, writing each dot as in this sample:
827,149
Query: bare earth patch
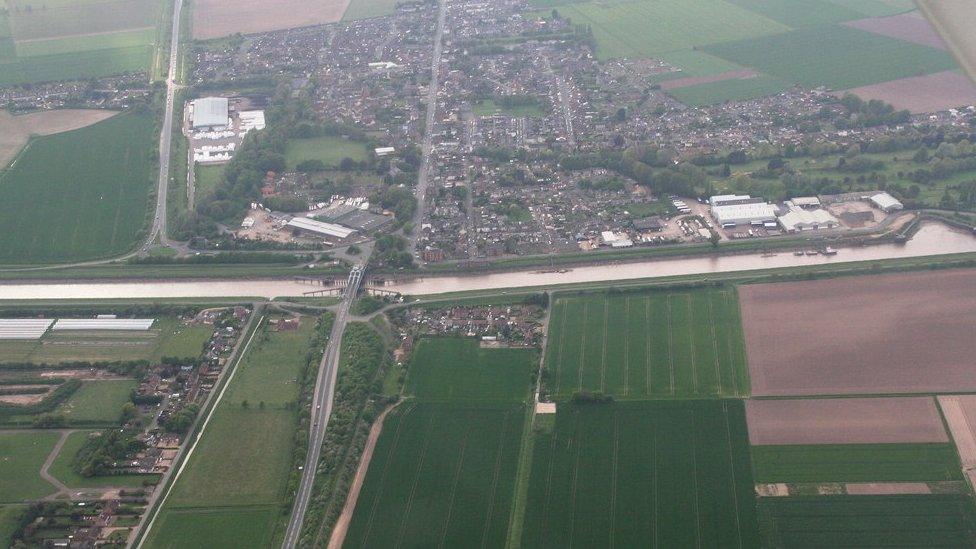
901,333
218,18
887,488
16,130
922,94
960,415
910,27
844,421
720,77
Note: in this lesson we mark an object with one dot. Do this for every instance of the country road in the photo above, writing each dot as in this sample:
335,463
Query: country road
166,134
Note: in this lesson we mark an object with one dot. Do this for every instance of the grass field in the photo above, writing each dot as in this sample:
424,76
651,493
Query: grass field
856,463
330,150
239,470
694,63
488,107
868,521
729,90
441,475
9,521
801,13
61,468
367,9
98,402
78,195
643,28
21,458
834,56
661,474
457,368
652,344
206,180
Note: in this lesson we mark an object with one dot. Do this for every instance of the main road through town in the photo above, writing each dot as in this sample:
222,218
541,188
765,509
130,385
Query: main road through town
322,408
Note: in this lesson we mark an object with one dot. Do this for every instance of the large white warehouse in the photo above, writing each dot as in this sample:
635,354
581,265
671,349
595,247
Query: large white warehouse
210,112
744,214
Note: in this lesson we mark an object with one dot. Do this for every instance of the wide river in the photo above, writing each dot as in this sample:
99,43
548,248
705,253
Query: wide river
931,239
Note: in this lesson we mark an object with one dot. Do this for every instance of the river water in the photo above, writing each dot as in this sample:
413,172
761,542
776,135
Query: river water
931,239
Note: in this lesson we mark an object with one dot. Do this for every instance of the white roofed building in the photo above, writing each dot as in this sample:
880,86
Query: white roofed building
320,228
210,112
744,214
885,202
798,219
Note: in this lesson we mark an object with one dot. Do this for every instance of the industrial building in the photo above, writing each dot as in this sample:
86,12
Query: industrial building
799,219
319,228
752,213
210,113
733,200
885,202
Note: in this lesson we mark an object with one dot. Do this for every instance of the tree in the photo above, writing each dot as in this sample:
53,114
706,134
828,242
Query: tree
245,404
714,239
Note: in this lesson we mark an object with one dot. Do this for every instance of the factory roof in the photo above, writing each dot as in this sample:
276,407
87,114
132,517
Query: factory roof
754,211
319,227
210,111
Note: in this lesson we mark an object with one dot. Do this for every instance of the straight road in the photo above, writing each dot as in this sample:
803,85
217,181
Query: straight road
322,407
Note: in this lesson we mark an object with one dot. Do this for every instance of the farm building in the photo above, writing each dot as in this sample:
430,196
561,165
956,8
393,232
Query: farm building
251,120
807,202
210,113
885,202
799,219
744,214
319,228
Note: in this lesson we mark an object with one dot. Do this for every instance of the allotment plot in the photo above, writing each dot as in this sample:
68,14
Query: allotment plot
643,474
647,344
901,333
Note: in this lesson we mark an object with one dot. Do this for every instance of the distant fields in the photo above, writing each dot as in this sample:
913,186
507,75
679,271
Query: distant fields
856,463
55,40
330,150
664,474
367,9
647,345
78,195
458,369
237,476
868,521
21,458
441,475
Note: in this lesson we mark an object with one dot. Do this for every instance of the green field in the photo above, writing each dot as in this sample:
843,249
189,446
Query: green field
694,63
9,521
834,56
206,180
78,195
868,521
55,46
97,402
856,463
458,369
801,13
241,465
643,28
62,470
21,458
729,90
488,107
330,150
67,66
876,8
647,345
367,9
643,474
441,475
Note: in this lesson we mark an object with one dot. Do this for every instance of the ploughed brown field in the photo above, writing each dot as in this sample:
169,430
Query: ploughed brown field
218,18
922,94
901,333
910,27
883,420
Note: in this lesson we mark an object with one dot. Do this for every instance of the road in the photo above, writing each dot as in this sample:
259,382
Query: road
166,134
423,180
322,407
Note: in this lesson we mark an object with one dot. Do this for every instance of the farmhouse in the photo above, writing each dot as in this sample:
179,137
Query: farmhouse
210,113
885,202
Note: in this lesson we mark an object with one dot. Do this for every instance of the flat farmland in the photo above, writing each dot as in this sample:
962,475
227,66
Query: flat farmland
219,18
801,13
15,131
239,471
21,458
901,333
650,344
457,368
367,9
629,474
845,421
81,19
910,27
730,89
835,56
441,475
922,94
78,195
643,28
97,402
856,463
868,521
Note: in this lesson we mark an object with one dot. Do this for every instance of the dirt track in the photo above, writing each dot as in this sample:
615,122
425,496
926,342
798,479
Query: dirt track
845,421
218,18
16,130
901,333
922,94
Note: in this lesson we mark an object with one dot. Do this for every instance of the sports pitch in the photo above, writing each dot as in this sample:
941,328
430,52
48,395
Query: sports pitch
647,345
648,474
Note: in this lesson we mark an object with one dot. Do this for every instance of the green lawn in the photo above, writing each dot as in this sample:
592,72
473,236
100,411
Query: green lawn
458,369
78,195
643,28
180,339
488,107
9,521
97,402
62,470
330,150
441,475
367,9
240,468
647,345
856,463
642,474
21,458
868,521
835,56
206,180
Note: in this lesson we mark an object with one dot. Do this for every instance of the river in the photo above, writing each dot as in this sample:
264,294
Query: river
931,239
